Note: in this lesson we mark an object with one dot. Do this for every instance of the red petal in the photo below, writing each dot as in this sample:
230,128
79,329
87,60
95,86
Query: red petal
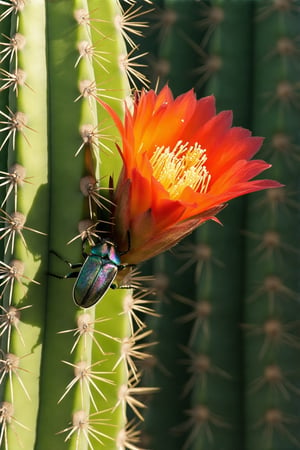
204,111
211,135
141,194
168,123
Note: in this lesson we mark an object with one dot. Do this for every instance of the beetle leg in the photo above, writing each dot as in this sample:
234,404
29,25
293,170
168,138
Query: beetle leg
125,266
71,265
123,286
64,277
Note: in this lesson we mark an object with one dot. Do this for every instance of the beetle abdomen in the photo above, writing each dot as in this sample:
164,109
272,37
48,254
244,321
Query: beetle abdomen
95,278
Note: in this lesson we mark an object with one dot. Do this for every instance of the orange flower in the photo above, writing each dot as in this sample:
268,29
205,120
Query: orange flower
181,163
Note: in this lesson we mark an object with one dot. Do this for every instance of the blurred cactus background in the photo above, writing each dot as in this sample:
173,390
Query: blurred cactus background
227,358
204,356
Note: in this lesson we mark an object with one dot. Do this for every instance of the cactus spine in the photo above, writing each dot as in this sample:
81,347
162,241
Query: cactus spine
234,364
67,375
227,368
272,238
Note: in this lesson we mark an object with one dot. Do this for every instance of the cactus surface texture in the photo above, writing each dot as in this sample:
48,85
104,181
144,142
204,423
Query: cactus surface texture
67,374
199,350
228,331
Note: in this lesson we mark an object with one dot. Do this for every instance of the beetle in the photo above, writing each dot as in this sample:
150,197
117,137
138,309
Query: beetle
97,273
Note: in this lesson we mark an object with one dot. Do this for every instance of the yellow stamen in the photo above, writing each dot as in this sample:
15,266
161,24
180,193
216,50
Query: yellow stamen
181,166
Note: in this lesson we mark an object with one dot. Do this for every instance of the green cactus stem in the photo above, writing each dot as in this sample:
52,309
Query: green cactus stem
67,375
271,286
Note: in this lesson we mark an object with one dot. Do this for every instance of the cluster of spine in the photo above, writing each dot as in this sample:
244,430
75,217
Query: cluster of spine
271,345
228,336
23,132
67,376
227,367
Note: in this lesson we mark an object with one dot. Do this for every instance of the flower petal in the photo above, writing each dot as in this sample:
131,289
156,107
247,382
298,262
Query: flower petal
201,164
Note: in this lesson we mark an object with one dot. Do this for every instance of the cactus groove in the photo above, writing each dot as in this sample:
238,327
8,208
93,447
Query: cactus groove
233,359
67,375
224,314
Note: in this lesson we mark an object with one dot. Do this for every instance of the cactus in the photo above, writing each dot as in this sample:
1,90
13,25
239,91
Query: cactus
72,378
272,256
67,375
227,337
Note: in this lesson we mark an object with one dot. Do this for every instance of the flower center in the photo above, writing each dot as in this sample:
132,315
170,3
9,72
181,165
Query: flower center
181,166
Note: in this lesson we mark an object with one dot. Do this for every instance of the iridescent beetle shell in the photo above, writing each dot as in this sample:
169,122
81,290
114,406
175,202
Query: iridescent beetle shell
96,275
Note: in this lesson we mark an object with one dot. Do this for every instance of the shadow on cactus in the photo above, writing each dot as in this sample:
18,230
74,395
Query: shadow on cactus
181,163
